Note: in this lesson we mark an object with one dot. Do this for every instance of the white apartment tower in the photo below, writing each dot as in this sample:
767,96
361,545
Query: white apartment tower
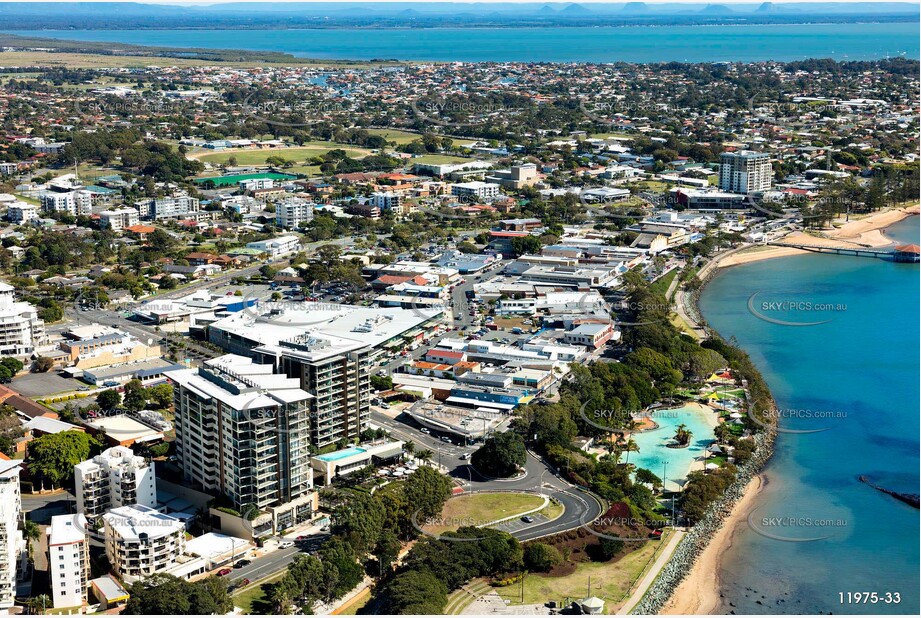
21,331
291,212
12,544
68,560
243,431
141,541
745,171
114,478
118,219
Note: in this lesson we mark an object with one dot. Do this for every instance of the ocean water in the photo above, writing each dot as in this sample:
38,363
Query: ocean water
817,532
719,43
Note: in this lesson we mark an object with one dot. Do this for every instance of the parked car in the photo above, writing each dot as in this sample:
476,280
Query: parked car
224,572
527,519
239,564
465,456
286,544
425,430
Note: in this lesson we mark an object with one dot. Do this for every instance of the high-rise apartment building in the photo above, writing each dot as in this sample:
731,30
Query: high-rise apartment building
141,542
12,544
745,171
116,477
243,431
21,331
68,560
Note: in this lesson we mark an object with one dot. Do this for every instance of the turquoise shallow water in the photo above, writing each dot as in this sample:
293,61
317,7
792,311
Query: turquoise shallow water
859,371
604,44
655,456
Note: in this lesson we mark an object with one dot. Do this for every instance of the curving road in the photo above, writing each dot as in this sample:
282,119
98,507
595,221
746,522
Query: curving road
579,506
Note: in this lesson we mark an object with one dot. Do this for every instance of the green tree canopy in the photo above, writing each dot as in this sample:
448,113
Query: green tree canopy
501,455
52,457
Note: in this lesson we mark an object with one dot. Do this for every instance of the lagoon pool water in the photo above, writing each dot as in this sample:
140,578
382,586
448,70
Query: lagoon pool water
656,457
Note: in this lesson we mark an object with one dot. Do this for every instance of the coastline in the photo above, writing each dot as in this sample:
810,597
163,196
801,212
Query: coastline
698,589
864,232
699,592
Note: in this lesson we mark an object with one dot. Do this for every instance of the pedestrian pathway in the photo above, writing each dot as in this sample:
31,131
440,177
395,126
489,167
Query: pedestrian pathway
646,581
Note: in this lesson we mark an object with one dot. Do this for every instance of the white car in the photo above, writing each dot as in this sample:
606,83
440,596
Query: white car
285,544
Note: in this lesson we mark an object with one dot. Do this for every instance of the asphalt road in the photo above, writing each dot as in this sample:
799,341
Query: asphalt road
580,507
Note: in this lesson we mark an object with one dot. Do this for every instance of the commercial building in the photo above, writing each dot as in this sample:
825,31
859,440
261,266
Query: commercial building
708,200
745,171
243,431
292,212
345,461
518,177
21,331
114,478
12,544
141,541
99,346
68,560
590,334
119,219
276,248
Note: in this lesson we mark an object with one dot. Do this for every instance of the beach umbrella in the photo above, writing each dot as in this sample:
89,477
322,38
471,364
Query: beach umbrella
712,466
735,415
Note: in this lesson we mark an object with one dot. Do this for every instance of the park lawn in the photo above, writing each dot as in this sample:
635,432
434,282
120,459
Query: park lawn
552,510
255,598
298,154
678,322
306,170
610,580
395,135
355,605
482,508
437,159
660,286
615,134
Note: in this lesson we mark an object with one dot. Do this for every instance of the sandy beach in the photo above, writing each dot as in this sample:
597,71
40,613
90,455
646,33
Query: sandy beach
863,232
698,593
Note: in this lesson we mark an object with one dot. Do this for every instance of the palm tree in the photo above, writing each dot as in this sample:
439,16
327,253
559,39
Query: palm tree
31,533
630,446
425,456
38,605
682,434
409,447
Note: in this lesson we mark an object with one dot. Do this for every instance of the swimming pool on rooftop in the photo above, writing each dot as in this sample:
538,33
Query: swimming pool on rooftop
336,456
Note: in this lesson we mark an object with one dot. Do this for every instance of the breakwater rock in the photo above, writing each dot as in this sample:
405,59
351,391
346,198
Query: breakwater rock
702,533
